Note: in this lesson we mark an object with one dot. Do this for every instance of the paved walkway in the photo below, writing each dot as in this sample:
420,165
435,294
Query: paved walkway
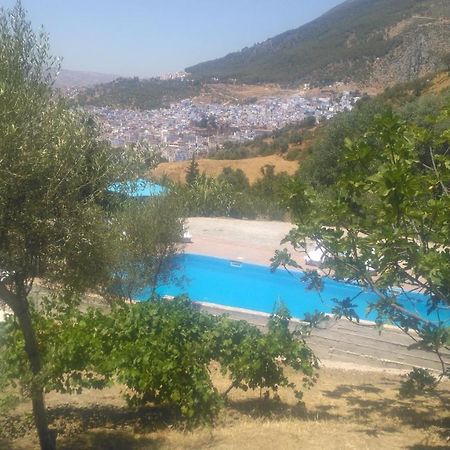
254,241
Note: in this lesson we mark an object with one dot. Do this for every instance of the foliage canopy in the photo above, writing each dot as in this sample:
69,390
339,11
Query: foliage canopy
54,179
385,225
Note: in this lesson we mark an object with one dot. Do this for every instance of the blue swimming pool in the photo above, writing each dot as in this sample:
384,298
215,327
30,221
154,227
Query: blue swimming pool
139,188
254,287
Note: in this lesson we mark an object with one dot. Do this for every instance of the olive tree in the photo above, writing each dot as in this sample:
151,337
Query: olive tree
150,233
54,175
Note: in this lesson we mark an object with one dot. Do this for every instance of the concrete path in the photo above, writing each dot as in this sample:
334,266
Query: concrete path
254,241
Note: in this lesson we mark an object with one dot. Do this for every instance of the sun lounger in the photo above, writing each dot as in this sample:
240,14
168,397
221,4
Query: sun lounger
315,257
187,237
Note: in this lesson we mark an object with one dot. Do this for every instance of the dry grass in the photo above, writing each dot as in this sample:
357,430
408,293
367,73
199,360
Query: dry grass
345,410
176,171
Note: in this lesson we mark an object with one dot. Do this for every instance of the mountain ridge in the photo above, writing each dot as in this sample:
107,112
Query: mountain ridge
346,43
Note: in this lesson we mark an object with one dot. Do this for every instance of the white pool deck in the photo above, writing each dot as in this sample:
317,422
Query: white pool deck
253,241
339,343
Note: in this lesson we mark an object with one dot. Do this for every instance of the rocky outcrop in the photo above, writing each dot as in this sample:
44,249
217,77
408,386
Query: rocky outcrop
421,48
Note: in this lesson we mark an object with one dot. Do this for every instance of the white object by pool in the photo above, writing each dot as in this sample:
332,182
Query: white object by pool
3,313
315,257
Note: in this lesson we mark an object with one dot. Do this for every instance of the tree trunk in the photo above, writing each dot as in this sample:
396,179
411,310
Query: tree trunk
20,307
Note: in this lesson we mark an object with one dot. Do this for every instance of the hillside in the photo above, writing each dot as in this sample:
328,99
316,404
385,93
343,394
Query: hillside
365,44
176,171
370,41
138,93
414,100
417,102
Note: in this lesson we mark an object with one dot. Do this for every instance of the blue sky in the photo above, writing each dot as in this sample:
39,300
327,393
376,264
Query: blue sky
151,37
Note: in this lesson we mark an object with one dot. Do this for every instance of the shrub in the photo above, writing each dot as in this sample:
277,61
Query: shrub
161,350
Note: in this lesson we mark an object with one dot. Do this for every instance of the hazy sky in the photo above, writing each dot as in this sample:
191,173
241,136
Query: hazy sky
151,37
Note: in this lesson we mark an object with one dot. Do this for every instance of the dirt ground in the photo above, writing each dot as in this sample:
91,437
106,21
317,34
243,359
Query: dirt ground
344,410
229,93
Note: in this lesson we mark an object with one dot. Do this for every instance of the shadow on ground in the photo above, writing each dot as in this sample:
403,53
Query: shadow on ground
362,404
96,427
4,443
109,440
425,412
418,412
267,409
429,447
373,410
69,419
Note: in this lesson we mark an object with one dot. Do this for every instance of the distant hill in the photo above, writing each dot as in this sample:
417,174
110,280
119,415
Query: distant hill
138,93
76,78
368,41
419,102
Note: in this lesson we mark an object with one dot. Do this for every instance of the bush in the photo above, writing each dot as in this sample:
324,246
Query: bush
255,360
161,351
162,355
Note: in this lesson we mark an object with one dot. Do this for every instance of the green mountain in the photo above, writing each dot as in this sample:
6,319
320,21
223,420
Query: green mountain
373,41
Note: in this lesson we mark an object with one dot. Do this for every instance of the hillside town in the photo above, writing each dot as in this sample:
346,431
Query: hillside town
187,127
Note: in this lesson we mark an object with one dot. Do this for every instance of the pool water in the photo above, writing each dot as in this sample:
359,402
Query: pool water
254,287
138,188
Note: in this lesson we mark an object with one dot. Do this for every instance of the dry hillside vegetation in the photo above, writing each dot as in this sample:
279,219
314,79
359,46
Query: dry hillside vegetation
176,171
241,93
238,93
440,83
379,42
345,410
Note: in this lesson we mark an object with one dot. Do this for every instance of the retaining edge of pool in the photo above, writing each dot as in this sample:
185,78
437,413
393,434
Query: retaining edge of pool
244,311
345,344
